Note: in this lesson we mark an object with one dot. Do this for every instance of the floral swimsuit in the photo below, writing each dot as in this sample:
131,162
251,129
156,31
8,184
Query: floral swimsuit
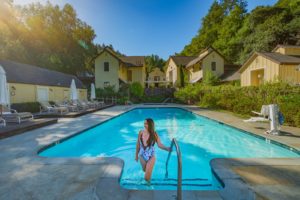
146,152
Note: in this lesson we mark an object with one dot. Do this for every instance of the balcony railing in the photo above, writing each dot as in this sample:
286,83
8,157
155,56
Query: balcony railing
196,76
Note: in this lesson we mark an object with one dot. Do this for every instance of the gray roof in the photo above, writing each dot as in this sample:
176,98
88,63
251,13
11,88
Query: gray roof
231,73
285,46
29,74
182,60
280,58
199,58
205,52
133,61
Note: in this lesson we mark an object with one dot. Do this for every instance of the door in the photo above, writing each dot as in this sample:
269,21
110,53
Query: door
42,94
129,76
257,77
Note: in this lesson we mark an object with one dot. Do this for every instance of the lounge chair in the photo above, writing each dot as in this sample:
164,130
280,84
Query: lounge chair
98,104
70,107
48,108
11,115
2,122
88,103
79,104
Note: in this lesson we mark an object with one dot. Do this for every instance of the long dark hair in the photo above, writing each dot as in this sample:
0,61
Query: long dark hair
151,129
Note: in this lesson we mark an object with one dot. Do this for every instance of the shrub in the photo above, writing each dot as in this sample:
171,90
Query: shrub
243,100
136,90
122,100
123,90
108,91
153,99
210,78
32,107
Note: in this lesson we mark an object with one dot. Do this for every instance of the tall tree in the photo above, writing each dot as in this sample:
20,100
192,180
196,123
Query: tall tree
46,35
235,33
265,27
224,18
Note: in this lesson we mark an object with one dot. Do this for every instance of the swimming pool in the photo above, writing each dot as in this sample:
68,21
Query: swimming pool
200,140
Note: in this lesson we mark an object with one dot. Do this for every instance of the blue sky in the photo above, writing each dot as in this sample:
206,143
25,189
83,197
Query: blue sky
144,27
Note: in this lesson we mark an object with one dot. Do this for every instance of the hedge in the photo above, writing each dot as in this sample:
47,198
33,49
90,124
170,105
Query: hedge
243,100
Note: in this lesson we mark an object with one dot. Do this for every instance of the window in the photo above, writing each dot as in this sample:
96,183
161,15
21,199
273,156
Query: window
106,84
106,66
213,66
156,78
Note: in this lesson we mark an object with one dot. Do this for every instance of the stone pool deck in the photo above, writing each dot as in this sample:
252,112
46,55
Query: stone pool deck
25,175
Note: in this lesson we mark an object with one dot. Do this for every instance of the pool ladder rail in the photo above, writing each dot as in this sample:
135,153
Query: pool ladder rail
179,170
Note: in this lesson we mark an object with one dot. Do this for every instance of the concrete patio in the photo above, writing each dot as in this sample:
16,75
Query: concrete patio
25,175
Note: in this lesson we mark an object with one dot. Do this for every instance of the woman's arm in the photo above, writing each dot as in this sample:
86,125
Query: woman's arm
137,149
160,145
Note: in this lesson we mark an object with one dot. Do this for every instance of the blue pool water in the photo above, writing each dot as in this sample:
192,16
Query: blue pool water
199,138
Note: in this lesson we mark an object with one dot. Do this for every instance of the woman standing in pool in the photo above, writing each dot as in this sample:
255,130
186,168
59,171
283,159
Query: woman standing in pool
145,147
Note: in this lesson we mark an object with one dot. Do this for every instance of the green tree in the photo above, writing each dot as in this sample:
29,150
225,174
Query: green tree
136,90
227,42
209,78
47,36
218,27
236,34
265,27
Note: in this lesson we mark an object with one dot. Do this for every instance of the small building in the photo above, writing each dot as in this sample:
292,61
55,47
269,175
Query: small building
173,67
208,59
28,83
113,70
196,66
157,77
283,64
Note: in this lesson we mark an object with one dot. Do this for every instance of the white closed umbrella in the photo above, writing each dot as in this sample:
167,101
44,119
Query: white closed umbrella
73,93
93,91
4,98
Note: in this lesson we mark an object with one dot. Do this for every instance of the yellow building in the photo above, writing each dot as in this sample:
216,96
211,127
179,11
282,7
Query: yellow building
157,77
196,66
113,70
280,64
29,83
173,67
208,59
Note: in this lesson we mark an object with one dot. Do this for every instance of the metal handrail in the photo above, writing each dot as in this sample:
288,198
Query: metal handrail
179,171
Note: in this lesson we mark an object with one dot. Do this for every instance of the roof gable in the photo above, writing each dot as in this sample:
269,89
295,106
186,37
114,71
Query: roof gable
203,54
129,61
182,60
110,51
275,57
133,61
284,46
